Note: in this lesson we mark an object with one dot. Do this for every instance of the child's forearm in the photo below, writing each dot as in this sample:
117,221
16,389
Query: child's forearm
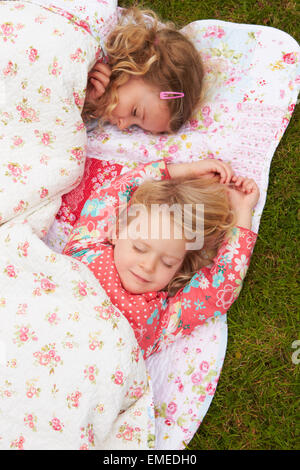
244,218
175,169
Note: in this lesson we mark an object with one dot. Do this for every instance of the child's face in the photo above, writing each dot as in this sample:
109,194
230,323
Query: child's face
147,264
139,104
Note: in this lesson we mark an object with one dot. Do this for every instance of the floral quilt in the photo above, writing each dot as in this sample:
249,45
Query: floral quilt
42,136
72,374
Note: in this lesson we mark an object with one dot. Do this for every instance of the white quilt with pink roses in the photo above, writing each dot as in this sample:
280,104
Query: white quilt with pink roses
44,63
71,372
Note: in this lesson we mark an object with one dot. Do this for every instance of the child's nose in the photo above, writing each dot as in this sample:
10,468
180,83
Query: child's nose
149,264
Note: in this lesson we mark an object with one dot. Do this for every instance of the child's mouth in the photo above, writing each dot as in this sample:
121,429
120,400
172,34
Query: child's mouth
139,278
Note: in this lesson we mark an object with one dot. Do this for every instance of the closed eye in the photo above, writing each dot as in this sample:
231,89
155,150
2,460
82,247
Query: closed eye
168,265
137,249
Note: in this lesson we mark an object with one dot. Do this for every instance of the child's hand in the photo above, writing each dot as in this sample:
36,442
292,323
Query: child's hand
207,167
243,196
98,79
243,193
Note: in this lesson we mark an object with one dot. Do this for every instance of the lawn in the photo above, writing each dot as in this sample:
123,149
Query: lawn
256,402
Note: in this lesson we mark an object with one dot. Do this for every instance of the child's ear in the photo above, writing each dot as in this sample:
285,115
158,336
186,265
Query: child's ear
112,236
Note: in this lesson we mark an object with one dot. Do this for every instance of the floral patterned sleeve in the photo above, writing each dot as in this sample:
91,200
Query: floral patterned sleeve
212,290
99,211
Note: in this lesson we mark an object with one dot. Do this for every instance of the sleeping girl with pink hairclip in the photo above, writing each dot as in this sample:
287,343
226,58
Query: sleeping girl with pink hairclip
153,78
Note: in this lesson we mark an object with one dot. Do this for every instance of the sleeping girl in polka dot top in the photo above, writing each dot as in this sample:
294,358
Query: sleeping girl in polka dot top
168,270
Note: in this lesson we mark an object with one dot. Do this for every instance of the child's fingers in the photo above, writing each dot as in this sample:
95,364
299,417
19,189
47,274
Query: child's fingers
245,184
239,180
222,174
249,185
225,171
99,88
229,172
247,188
225,174
103,68
216,167
101,77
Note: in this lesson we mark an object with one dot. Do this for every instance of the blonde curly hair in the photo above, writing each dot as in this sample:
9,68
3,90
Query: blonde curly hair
218,218
164,58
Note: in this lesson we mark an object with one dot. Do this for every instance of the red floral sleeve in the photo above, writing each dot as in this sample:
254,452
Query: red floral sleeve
212,290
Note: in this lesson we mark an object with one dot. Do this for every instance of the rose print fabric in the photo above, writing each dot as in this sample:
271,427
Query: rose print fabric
98,17
72,375
156,319
44,63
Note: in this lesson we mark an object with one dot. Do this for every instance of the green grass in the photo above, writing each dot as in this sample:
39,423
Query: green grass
255,404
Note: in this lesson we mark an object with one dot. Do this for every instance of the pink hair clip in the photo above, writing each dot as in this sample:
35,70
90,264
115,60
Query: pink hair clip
170,95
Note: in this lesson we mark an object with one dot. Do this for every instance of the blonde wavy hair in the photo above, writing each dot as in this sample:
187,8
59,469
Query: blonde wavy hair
164,58
218,218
